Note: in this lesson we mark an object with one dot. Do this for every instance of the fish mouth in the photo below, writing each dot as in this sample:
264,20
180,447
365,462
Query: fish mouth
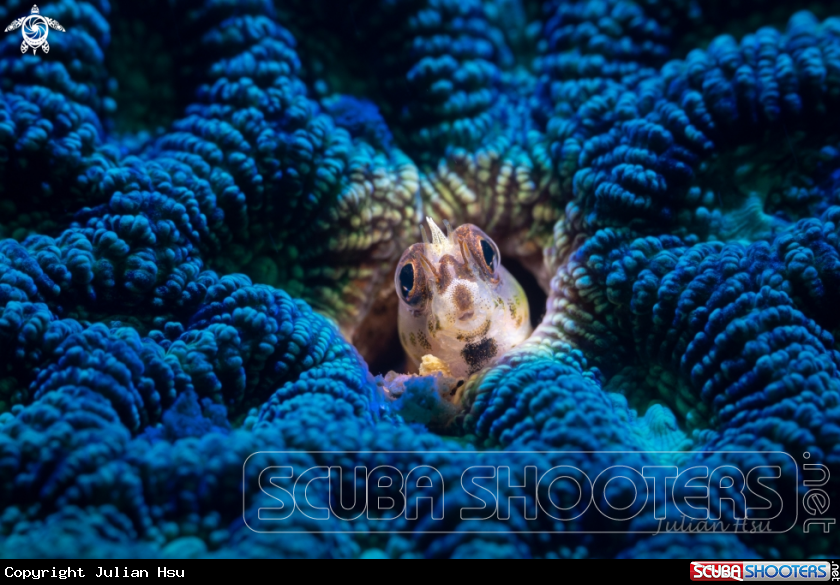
466,316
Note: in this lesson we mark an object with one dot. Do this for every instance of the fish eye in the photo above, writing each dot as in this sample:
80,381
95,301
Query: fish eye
488,253
481,248
410,279
406,280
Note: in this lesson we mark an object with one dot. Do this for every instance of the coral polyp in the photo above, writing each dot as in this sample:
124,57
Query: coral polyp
204,206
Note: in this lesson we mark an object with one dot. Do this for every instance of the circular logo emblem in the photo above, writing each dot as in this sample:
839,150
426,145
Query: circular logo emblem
35,30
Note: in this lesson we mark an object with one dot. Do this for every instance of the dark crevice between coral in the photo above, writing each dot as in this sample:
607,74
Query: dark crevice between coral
29,205
377,337
152,85
533,291
738,18
15,381
761,187
340,61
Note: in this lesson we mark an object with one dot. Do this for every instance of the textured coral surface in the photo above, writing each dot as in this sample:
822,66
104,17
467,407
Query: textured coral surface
202,204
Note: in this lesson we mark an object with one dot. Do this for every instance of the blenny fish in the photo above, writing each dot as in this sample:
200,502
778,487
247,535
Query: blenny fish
458,304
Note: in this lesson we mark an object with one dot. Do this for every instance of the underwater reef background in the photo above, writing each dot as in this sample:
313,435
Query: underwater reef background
202,204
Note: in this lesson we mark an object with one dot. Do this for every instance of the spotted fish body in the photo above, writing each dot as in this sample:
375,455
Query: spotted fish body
457,302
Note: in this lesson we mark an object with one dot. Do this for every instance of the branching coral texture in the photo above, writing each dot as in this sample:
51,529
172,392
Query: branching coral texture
174,298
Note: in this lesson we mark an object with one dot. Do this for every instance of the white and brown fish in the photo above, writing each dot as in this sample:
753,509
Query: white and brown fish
458,304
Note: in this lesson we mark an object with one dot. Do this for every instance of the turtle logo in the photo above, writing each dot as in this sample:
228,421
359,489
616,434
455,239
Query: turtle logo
35,31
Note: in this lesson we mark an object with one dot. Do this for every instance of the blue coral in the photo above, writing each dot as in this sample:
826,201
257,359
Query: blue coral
175,301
